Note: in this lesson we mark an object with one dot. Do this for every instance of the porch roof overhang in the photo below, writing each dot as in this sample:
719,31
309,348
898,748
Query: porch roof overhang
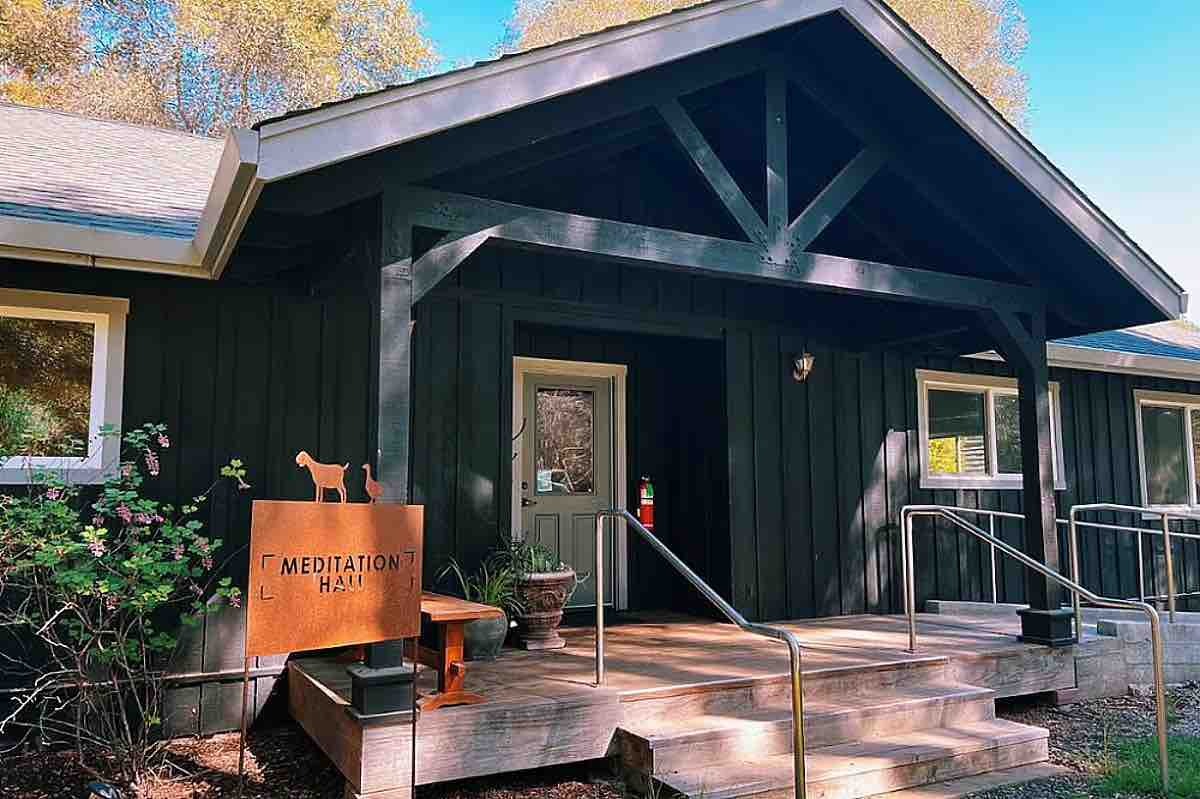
1090,248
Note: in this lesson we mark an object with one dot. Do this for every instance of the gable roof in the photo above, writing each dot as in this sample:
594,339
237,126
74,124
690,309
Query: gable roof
306,141
58,167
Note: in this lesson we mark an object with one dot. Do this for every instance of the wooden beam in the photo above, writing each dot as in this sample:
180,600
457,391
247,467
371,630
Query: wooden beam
777,157
713,171
443,258
1024,348
394,345
834,198
656,247
869,130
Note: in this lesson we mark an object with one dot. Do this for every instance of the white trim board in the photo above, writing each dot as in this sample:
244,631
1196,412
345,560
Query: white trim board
1067,356
618,372
991,385
107,314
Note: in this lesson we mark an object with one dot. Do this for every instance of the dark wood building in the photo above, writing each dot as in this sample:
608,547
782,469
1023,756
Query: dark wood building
651,227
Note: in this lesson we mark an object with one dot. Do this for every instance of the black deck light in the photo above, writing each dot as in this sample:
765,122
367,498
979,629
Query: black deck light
102,790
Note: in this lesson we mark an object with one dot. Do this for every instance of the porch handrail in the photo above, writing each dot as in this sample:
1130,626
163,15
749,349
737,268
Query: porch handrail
1164,515
910,601
992,515
767,631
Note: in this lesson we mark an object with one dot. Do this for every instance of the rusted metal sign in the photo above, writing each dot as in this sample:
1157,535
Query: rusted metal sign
325,575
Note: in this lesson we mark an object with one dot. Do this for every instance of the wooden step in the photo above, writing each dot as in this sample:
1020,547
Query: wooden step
870,767
672,703
659,747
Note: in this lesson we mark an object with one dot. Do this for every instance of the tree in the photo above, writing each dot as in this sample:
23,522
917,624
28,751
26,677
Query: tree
204,65
982,39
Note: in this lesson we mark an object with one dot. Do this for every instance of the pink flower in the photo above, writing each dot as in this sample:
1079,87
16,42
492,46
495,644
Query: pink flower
97,521
152,463
97,548
179,552
110,602
53,494
143,518
202,545
235,601
163,441
125,513
207,563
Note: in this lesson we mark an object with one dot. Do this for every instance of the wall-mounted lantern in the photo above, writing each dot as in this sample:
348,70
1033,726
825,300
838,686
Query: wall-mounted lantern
802,366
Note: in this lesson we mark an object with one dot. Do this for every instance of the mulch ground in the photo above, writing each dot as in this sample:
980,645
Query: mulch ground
282,763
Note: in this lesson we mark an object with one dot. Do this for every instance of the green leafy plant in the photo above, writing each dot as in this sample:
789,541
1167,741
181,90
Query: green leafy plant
526,557
494,583
94,584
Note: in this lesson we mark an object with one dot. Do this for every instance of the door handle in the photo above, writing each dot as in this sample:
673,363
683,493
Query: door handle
526,502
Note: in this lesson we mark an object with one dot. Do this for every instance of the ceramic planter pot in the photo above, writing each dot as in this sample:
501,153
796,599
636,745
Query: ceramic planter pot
483,638
543,597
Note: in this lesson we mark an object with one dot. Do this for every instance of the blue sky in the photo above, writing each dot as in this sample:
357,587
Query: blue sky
1114,97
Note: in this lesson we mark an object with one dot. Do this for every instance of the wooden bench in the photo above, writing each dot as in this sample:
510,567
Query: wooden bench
443,620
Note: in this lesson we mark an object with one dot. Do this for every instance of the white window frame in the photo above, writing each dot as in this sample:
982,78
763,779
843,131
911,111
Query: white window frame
990,387
1167,399
107,315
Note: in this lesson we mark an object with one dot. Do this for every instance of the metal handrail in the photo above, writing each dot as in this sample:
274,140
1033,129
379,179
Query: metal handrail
767,631
910,601
1165,516
992,515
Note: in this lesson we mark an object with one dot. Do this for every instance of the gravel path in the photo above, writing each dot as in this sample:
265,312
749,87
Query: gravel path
282,762
1084,735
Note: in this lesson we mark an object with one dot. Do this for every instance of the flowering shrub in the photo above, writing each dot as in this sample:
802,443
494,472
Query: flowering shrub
93,587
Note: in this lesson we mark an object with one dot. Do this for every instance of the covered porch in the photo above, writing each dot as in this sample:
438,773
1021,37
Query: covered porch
684,692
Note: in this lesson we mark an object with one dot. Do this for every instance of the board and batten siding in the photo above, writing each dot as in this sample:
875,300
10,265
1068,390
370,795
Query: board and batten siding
234,372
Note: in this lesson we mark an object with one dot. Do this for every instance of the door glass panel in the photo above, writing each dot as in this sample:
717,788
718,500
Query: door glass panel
956,432
565,449
1166,466
1008,434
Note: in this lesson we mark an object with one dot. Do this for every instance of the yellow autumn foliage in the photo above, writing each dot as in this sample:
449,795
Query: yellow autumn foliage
206,65
982,39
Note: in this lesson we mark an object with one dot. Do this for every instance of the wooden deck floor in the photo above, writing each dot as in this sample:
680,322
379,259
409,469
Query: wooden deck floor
543,707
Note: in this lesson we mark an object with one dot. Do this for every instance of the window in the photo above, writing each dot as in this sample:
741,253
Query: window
61,372
970,431
1168,430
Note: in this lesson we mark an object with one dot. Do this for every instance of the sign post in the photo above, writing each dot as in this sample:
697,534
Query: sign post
325,575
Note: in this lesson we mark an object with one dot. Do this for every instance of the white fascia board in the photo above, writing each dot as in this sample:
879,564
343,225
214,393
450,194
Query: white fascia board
234,180
59,242
1012,149
1066,356
361,126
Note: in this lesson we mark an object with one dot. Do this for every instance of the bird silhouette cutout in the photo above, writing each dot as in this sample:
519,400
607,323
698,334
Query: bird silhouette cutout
374,487
325,476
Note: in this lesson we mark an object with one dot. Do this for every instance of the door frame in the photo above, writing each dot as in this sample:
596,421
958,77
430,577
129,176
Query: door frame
618,373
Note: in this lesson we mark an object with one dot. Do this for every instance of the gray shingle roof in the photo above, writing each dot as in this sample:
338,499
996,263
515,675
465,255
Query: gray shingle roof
1177,338
59,167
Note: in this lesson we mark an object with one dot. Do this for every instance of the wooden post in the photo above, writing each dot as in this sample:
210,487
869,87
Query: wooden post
395,348
1024,348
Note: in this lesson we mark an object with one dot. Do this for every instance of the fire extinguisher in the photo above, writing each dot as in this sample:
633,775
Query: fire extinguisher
645,511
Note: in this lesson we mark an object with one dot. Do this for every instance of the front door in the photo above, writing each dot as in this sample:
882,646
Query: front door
567,470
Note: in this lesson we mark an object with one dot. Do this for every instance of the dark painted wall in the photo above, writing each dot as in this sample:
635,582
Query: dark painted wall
254,373
816,472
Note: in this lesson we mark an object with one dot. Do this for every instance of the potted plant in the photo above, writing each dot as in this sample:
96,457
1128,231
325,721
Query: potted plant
493,584
543,585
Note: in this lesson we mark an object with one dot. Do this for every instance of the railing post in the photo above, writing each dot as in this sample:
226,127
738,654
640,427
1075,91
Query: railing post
1170,559
992,550
1073,543
910,581
798,768
598,573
